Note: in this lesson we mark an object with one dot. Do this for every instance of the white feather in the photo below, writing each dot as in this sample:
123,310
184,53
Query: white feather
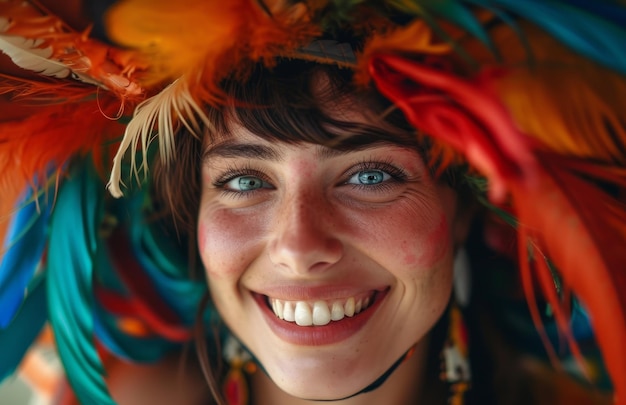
4,24
27,54
162,112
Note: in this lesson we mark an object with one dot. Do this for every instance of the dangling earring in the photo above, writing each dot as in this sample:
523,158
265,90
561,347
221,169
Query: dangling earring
455,365
235,386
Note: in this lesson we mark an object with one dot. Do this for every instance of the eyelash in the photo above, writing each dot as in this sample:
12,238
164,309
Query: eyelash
397,176
232,173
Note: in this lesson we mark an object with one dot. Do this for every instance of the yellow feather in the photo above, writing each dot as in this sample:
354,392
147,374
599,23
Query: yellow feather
572,109
567,103
207,37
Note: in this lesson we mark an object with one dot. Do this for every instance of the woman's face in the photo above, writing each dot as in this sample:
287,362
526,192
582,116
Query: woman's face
327,265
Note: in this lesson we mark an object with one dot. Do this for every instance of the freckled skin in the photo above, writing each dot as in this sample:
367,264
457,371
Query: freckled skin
311,229
438,243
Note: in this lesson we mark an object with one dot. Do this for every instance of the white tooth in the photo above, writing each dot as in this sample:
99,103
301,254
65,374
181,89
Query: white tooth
303,315
279,308
273,303
288,313
336,313
349,308
321,314
366,302
358,306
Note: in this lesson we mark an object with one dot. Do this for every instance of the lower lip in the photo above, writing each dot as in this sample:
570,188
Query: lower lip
334,332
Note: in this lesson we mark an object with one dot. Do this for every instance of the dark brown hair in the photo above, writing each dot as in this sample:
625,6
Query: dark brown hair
294,101
284,103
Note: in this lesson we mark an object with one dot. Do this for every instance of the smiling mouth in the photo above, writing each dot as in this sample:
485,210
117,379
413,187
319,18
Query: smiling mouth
320,312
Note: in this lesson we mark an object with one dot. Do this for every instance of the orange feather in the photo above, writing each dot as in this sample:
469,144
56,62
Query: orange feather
207,39
561,204
41,42
48,138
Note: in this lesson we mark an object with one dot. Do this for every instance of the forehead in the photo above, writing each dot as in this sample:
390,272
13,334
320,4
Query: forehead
241,143
342,125
312,106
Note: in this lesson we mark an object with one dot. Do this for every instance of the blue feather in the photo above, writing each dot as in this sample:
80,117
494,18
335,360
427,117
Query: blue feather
72,248
578,24
24,246
16,339
608,10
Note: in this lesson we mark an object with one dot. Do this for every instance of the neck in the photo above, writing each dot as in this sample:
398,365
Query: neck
406,385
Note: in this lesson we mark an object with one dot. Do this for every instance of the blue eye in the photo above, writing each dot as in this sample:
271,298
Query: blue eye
246,183
369,177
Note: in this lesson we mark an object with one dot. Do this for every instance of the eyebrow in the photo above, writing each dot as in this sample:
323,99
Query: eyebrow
231,149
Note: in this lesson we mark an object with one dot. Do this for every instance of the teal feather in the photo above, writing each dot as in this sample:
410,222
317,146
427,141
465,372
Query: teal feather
25,327
23,250
449,10
72,248
581,25
595,29
122,345
166,265
162,263
461,15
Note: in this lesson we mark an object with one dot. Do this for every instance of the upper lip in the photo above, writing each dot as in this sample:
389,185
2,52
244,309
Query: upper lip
311,293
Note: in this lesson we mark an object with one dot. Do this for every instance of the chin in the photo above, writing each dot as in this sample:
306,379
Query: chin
317,379
322,391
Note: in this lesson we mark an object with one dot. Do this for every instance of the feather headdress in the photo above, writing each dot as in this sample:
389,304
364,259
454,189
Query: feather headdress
531,94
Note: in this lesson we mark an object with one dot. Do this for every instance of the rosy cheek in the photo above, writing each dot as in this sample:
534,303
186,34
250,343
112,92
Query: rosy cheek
428,245
435,244
409,253
201,236
222,240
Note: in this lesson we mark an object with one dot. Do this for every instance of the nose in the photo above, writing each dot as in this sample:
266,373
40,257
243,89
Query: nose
304,239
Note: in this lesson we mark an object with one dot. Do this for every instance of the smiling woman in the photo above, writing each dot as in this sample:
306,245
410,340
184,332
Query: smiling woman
318,236
356,202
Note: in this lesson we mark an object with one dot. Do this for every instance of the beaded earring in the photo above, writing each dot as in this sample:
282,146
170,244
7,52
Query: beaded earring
455,365
235,386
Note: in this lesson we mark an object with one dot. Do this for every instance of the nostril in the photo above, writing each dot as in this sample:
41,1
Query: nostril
305,253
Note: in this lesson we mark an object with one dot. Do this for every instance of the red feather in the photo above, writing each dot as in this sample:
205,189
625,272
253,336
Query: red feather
562,208
46,140
142,301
